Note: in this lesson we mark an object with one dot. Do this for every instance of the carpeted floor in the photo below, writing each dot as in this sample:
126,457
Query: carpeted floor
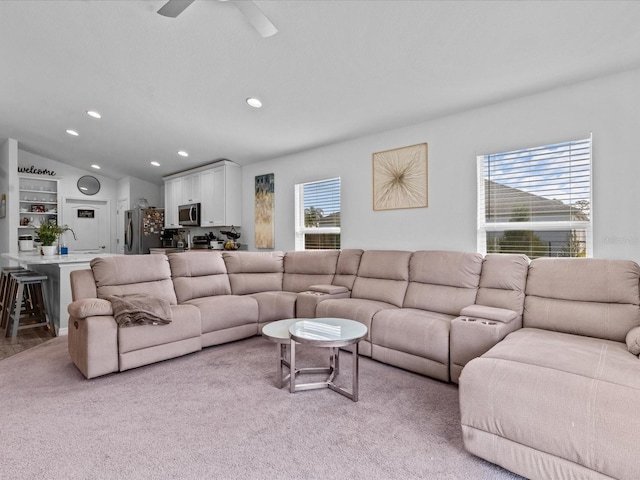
216,414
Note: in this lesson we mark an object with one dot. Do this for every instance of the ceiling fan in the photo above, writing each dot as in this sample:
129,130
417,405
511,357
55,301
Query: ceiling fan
249,9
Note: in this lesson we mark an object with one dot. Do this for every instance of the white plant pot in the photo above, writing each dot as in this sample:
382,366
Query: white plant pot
48,250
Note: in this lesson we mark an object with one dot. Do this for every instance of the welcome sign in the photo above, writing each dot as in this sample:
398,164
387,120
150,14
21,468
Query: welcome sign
36,171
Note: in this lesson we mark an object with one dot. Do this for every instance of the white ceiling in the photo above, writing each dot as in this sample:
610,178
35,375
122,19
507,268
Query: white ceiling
336,70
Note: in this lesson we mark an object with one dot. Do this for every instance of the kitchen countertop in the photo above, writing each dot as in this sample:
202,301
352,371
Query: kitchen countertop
34,257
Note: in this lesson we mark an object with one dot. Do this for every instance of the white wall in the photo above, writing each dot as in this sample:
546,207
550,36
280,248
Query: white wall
133,189
142,189
609,107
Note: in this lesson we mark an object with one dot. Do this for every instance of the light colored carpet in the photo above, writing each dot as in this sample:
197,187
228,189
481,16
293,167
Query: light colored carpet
217,414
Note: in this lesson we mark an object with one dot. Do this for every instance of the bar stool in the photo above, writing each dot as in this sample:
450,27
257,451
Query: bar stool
6,302
29,309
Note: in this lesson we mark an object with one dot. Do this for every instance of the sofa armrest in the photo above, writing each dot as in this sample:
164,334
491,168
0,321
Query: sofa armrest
329,289
90,307
476,331
501,315
633,341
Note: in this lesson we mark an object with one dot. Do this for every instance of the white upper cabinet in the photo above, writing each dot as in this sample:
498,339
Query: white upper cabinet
221,204
172,198
191,189
218,189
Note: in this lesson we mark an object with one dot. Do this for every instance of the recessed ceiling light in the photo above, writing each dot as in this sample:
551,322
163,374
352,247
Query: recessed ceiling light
182,153
97,167
94,114
72,132
155,164
254,102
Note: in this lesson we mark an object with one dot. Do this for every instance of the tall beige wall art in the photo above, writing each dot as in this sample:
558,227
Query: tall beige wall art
264,206
400,178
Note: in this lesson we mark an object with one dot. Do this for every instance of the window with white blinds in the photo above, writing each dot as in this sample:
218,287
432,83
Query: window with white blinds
318,215
536,201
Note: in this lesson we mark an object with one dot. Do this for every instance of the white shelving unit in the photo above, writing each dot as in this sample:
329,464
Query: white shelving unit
38,202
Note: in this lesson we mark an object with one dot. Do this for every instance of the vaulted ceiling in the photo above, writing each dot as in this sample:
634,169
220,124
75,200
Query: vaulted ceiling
335,70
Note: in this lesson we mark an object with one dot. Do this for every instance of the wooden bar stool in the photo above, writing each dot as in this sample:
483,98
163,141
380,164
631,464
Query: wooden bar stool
6,301
30,303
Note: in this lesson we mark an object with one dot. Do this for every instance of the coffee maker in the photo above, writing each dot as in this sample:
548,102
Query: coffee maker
169,238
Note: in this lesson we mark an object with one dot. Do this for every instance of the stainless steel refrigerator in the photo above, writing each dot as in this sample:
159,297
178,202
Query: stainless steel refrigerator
142,229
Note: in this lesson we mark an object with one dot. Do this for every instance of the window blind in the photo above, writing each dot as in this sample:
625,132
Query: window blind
318,215
536,201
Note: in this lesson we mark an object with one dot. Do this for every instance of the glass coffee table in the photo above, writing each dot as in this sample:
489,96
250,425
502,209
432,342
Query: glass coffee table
332,333
278,332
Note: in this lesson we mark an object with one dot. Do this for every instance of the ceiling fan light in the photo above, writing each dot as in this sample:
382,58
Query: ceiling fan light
97,167
254,102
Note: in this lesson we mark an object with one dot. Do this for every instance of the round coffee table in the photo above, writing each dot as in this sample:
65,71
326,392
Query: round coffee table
278,332
332,333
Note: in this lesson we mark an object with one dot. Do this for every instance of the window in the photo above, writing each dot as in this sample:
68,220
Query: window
536,201
318,215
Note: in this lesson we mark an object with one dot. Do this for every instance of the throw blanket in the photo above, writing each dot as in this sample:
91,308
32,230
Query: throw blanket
140,309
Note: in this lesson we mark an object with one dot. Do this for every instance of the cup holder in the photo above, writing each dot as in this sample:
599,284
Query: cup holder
484,322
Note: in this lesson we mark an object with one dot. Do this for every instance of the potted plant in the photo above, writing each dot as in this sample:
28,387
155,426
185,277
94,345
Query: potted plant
48,233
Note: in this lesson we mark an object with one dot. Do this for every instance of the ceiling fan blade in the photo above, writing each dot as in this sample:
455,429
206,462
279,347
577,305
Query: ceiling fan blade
173,8
256,18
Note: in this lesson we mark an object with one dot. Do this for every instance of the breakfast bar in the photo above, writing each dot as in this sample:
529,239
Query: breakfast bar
57,268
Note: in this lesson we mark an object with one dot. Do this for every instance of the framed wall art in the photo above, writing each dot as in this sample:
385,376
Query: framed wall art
264,207
400,178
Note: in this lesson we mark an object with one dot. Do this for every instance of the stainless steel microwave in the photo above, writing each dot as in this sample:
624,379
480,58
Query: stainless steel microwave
189,215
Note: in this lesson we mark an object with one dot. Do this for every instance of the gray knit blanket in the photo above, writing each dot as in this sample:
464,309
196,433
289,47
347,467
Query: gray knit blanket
140,309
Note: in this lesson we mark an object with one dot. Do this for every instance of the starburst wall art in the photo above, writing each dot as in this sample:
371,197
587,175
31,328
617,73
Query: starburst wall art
400,178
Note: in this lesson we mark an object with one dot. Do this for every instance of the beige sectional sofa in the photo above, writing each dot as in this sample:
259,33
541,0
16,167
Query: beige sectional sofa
551,400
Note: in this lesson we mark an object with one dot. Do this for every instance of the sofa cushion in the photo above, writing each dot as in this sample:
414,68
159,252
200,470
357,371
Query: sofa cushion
186,324
443,282
275,305
569,397
303,269
226,311
253,272
347,267
361,310
592,297
383,276
199,274
130,274
502,281
418,332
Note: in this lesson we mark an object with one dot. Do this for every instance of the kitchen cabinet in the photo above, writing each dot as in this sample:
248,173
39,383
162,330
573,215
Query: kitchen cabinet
191,189
221,204
38,202
218,189
172,198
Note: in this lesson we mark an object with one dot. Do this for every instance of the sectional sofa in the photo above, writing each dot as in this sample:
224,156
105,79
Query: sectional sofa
545,352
